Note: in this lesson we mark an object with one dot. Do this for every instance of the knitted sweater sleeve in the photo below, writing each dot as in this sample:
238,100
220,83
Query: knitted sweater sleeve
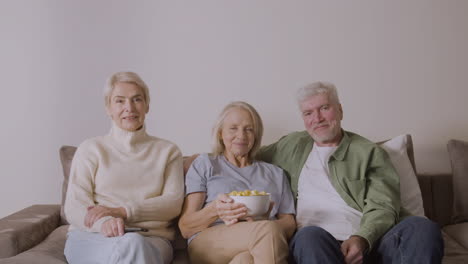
168,205
80,189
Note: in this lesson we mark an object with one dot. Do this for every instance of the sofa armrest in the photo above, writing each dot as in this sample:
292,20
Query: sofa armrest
24,229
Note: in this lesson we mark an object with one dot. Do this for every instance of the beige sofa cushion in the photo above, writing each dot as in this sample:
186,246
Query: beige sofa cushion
49,251
410,192
458,152
22,230
66,157
459,233
454,253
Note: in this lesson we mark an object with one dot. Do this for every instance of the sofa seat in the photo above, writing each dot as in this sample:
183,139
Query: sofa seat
454,252
37,234
456,243
459,232
24,235
49,251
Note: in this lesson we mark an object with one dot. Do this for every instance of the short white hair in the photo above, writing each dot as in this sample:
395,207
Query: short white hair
125,77
317,88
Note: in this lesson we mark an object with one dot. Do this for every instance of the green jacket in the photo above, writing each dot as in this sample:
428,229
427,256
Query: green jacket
360,171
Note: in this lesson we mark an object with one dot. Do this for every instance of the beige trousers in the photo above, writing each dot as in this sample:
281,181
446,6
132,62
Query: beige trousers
259,242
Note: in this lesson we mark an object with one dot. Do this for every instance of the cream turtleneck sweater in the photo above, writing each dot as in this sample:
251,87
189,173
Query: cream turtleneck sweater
141,173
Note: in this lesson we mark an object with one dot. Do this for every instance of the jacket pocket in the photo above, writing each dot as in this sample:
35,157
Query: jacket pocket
357,189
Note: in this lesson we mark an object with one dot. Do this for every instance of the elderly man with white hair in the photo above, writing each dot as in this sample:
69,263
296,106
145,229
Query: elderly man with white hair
347,192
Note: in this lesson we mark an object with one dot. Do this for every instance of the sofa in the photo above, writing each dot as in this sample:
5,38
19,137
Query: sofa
37,233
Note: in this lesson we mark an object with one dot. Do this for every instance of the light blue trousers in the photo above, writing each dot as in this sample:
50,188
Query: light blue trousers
86,247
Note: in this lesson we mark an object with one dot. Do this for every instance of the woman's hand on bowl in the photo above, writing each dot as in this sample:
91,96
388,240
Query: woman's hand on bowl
266,216
228,211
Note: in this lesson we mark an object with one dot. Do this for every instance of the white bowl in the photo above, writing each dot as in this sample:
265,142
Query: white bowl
257,205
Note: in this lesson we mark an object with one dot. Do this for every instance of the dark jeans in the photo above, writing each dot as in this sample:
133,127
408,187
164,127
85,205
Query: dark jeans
413,240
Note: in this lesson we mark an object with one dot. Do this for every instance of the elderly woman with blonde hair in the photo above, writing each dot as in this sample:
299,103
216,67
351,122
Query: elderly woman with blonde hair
216,226
123,182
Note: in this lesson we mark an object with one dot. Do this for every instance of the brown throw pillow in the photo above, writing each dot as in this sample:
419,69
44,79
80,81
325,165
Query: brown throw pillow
66,157
458,152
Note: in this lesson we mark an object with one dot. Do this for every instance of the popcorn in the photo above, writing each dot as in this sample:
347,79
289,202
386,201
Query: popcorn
247,193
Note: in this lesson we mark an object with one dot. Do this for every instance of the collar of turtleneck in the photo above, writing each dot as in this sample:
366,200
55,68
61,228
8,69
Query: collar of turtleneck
129,140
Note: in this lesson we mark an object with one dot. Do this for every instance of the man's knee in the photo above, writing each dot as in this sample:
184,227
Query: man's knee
423,227
313,244
418,234
312,235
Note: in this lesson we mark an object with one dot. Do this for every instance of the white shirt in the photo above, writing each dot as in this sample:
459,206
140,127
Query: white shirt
318,203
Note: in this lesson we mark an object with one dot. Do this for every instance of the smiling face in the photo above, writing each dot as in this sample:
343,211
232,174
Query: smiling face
237,133
127,106
322,119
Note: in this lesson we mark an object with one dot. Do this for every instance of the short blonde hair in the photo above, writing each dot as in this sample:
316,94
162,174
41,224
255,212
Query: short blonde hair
125,77
318,88
218,145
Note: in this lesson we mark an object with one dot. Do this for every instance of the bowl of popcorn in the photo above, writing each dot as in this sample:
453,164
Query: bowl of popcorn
257,202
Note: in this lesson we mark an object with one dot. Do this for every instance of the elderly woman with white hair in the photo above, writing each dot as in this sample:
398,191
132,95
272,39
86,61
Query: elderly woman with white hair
123,182
214,224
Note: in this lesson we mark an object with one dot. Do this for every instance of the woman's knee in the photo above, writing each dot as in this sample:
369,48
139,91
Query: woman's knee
131,242
133,239
269,243
270,228
134,248
242,258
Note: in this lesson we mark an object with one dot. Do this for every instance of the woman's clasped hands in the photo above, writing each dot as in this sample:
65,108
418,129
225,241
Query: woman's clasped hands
231,212
111,227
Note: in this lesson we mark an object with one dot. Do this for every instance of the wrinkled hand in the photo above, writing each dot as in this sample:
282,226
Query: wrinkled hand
99,211
353,249
228,211
113,227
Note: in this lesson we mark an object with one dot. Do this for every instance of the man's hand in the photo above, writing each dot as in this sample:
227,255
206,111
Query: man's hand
113,227
228,211
353,249
99,211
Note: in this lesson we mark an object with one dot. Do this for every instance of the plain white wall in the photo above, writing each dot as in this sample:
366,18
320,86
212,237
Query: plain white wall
400,67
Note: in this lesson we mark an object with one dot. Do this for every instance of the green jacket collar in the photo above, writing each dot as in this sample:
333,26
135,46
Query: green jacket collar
342,149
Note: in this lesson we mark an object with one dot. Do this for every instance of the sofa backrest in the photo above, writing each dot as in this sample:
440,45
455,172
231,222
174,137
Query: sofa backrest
458,153
66,157
436,189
